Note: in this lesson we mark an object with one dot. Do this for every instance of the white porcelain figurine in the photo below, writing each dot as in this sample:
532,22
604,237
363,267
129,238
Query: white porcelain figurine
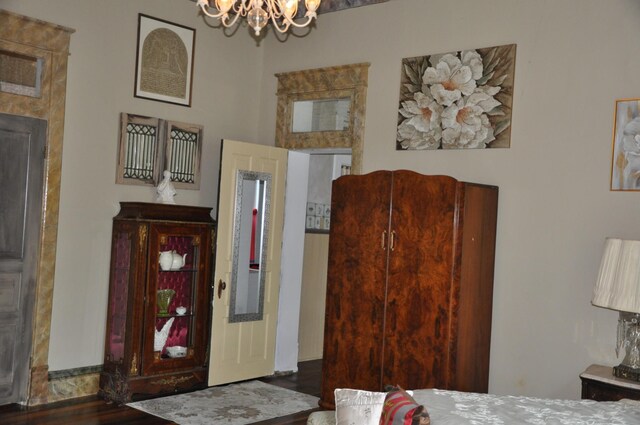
165,189
160,337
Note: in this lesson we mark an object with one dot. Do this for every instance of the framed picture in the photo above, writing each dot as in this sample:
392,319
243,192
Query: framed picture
148,146
625,158
457,100
139,150
164,61
183,148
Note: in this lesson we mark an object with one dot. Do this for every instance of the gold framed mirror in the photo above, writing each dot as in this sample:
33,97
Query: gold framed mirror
323,108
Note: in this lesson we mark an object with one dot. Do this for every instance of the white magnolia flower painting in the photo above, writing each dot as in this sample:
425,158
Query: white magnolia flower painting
457,100
625,167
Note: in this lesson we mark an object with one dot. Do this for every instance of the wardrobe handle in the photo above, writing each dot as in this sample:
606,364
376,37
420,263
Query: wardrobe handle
392,241
384,240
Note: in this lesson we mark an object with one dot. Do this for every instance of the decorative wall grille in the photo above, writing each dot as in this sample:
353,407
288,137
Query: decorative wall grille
184,145
20,74
140,151
148,146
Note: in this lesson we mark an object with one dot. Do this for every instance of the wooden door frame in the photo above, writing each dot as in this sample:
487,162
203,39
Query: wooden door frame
37,38
324,83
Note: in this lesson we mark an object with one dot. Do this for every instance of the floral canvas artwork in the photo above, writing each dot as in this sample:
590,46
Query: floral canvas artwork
625,163
457,100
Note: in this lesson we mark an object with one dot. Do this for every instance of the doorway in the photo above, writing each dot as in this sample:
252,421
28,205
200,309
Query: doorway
325,166
305,253
340,126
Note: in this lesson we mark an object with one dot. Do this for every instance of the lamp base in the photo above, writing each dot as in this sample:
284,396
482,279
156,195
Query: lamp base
626,372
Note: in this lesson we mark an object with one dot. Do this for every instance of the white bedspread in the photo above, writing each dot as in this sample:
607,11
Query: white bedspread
458,408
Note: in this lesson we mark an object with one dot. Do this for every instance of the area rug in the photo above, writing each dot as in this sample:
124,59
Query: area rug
234,404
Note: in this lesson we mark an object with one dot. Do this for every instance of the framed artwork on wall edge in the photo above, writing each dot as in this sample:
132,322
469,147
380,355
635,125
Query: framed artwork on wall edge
625,149
164,61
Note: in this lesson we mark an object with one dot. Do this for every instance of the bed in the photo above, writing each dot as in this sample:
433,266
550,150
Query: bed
355,407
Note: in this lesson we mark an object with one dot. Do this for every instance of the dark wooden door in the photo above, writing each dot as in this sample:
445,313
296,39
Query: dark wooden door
22,142
356,282
420,274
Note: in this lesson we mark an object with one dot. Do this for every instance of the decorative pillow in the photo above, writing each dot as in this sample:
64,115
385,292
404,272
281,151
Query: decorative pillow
401,409
357,407
323,417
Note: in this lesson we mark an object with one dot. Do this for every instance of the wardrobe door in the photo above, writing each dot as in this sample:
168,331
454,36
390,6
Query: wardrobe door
422,267
356,281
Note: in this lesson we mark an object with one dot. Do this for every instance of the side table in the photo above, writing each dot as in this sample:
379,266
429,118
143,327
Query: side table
598,383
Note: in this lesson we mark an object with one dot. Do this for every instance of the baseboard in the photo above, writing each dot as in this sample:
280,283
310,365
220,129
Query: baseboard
73,383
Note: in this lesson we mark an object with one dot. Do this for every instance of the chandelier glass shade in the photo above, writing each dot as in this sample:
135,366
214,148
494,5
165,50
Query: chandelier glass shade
281,13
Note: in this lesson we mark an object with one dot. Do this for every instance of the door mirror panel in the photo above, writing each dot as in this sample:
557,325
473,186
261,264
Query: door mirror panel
250,235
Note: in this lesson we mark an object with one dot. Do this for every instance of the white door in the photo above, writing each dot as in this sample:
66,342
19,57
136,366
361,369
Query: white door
246,349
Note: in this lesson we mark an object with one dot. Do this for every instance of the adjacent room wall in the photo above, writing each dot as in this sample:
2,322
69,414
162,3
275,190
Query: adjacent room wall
227,74
574,58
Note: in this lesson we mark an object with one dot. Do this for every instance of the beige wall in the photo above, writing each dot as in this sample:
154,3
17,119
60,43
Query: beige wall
100,86
574,58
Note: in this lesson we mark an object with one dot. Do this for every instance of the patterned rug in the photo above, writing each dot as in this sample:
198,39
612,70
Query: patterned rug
234,404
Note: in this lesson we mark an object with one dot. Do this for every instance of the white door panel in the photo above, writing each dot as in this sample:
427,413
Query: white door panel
246,350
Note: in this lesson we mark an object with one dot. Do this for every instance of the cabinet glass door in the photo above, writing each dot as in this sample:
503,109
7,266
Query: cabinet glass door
175,290
175,280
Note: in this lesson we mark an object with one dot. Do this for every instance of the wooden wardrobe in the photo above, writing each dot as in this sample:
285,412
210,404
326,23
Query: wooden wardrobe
410,283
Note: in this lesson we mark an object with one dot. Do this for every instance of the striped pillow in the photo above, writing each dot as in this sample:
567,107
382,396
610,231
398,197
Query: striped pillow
401,409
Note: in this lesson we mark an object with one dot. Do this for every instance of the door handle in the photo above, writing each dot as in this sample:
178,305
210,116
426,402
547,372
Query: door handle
222,285
384,240
392,240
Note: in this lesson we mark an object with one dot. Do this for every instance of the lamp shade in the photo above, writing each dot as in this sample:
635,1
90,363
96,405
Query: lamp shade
618,284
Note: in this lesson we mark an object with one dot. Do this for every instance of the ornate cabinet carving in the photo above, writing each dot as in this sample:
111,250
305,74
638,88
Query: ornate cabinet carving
410,283
159,311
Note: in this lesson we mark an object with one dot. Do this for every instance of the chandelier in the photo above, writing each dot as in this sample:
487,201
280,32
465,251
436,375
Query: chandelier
259,12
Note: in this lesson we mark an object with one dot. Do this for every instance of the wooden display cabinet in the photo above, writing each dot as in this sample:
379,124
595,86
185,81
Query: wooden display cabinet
133,367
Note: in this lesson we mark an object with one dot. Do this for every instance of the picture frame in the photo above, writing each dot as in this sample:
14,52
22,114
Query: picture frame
148,146
140,150
164,61
461,99
183,153
625,149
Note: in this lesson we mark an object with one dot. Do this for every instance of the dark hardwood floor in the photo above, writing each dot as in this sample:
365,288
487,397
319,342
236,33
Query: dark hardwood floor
94,411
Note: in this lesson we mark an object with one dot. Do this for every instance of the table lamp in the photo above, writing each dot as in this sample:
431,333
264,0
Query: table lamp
618,288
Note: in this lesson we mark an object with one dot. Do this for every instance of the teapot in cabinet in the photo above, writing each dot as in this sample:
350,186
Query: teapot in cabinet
171,260
178,261
166,260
